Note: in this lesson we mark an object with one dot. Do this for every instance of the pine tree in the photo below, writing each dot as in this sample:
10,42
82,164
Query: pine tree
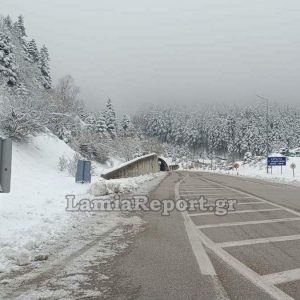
90,122
8,22
45,68
127,127
7,61
33,51
110,119
21,26
100,125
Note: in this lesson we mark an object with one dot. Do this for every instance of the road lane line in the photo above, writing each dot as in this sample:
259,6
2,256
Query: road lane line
253,202
259,241
236,212
245,271
204,263
248,223
251,275
196,189
222,196
282,277
202,258
256,197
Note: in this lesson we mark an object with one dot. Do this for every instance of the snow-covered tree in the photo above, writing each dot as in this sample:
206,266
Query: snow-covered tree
8,22
110,119
126,127
33,51
8,66
20,26
45,68
100,124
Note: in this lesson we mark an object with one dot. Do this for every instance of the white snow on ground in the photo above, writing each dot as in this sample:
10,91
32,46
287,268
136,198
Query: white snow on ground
258,169
34,212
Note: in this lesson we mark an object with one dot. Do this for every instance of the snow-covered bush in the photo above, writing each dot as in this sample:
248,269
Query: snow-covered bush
69,164
62,163
248,157
72,164
19,119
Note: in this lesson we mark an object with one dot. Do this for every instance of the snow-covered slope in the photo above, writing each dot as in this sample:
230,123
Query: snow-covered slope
35,210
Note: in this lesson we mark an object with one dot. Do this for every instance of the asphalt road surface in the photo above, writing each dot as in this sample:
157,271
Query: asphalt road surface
252,252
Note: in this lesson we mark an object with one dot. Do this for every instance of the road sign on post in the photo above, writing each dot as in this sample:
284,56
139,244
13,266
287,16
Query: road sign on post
276,161
83,173
5,164
293,167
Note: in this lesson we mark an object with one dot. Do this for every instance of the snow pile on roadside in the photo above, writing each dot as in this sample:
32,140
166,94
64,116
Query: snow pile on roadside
123,185
34,212
258,169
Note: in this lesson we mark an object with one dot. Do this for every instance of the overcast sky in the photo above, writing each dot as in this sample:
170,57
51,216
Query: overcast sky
139,52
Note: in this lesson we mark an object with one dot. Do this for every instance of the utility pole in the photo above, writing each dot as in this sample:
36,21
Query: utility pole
267,127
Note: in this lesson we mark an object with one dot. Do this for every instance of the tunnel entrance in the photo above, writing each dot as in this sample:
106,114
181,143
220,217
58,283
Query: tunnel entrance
163,166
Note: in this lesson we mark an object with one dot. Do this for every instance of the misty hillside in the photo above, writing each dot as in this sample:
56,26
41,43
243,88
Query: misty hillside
24,69
31,103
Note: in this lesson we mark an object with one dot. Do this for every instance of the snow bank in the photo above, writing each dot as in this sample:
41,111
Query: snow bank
122,185
34,211
258,169
35,208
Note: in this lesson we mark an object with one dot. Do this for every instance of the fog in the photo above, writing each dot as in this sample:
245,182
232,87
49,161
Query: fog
141,52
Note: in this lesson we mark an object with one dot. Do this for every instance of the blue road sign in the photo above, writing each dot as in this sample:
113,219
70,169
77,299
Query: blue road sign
83,173
277,161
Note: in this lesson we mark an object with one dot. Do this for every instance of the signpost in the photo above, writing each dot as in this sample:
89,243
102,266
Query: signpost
83,173
293,167
236,167
5,164
276,161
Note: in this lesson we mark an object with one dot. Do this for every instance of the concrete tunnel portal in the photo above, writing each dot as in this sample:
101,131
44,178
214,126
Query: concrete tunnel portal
163,166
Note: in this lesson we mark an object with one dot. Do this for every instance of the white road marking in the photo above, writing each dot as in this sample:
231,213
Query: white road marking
251,202
202,258
249,223
222,196
209,189
210,195
259,241
255,278
258,198
236,212
260,281
282,277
